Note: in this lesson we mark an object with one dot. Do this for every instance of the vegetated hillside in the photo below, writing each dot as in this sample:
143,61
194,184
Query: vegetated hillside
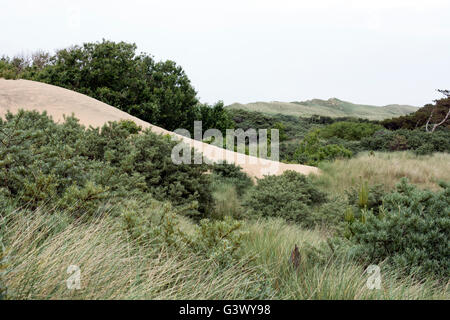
320,138
59,102
332,108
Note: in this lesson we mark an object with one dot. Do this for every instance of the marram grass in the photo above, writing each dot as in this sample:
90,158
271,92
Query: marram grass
42,246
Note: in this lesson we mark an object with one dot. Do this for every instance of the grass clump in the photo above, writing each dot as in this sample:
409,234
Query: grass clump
115,266
325,271
383,168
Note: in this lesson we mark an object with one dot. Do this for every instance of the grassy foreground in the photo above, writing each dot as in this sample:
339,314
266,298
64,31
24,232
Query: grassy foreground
113,268
386,168
42,244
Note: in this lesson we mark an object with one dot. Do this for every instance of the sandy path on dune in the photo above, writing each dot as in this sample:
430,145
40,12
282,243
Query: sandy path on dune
31,95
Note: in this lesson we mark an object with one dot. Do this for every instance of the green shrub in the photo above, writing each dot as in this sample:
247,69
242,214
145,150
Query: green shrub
158,92
154,223
158,224
419,141
232,174
217,240
291,196
366,197
411,231
79,170
349,130
398,143
328,216
312,150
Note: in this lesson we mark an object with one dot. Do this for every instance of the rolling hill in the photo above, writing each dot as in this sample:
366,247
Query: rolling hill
332,108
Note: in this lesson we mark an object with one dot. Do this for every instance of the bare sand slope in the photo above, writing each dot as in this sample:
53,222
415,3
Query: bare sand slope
31,95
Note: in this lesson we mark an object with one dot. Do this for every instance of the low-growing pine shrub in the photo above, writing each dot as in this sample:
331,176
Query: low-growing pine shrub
79,169
158,224
349,130
291,196
411,231
217,240
313,150
417,140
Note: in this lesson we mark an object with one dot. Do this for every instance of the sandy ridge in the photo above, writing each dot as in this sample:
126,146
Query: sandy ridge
31,95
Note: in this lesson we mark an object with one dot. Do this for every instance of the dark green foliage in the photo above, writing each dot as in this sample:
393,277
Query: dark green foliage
7,69
398,143
419,118
159,225
340,138
217,240
353,146
156,92
317,119
230,173
212,117
79,170
353,131
290,127
411,231
328,215
312,150
291,196
369,197
419,141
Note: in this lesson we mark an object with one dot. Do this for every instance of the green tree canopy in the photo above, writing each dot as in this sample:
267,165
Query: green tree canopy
112,72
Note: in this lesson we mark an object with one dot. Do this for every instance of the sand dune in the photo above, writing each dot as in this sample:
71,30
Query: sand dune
30,95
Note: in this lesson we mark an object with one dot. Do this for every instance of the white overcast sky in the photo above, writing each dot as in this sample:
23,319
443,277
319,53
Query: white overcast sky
375,52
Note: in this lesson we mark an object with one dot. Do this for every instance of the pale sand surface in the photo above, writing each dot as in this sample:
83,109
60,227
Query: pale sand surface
31,95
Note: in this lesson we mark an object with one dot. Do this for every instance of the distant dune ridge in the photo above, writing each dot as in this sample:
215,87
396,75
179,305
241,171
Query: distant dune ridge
332,108
31,95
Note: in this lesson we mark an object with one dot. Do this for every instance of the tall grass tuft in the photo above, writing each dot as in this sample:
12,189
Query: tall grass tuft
112,267
322,274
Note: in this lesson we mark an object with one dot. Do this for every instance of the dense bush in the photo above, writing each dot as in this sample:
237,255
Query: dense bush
419,141
324,120
353,131
419,118
325,138
157,224
313,150
79,169
411,231
232,174
368,197
291,196
290,127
